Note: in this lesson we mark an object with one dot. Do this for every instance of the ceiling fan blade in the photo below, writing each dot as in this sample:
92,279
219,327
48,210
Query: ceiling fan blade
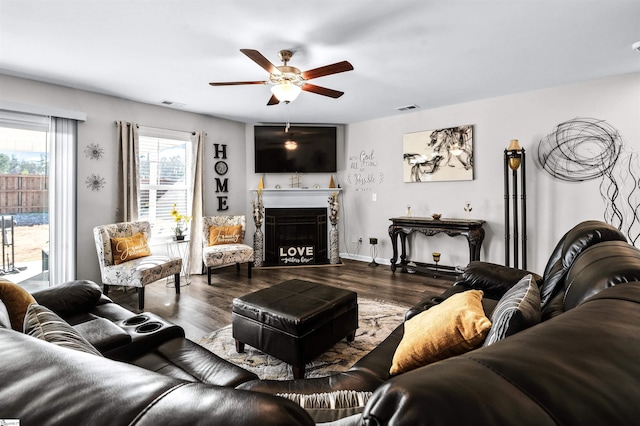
322,90
273,100
259,59
238,83
327,70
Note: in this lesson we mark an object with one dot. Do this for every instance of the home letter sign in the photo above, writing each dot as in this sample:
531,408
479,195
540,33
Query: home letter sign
221,168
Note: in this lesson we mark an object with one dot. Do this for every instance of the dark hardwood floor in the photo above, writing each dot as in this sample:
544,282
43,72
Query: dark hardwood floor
201,309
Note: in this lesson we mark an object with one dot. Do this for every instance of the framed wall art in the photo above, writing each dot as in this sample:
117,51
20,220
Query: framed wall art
438,155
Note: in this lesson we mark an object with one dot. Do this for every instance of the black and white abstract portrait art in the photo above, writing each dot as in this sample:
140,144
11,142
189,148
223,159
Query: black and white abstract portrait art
438,155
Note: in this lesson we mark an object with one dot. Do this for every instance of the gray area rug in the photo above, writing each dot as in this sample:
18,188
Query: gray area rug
376,320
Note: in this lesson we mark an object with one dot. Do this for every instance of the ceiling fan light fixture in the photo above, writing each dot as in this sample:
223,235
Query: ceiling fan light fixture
286,92
290,145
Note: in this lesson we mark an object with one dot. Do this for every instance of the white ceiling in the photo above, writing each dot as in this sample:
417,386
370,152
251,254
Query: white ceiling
429,53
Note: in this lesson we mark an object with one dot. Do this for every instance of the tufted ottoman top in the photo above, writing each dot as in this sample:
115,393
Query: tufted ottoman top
295,307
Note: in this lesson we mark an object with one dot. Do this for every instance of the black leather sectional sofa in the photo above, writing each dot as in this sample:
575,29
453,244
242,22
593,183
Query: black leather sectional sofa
150,373
579,366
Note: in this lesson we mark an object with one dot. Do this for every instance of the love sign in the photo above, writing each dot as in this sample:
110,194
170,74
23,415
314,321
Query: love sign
296,255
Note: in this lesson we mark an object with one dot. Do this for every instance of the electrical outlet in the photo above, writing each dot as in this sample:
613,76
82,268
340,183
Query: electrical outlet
373,241
354,238
374,197
360,240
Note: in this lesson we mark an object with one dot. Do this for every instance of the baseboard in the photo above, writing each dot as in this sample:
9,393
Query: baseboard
362,258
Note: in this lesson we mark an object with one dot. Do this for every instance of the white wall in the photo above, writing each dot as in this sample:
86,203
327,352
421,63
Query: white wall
98,207
553,206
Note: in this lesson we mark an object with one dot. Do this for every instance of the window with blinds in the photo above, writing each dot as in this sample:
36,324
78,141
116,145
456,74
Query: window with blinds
165,168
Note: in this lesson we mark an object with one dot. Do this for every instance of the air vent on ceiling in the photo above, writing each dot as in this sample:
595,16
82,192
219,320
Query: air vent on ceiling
407,107
173,104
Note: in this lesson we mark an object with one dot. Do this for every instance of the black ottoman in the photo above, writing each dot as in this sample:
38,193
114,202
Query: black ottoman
295,321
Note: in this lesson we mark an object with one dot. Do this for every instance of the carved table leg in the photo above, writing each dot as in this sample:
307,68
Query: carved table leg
403,256
394,244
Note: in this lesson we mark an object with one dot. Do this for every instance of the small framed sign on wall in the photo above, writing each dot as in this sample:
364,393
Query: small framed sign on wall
438,155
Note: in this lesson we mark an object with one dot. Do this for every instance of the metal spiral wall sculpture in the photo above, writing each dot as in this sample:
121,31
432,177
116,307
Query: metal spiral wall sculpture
586,148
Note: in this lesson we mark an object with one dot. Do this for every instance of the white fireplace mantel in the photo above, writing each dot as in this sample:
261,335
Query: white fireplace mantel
296,197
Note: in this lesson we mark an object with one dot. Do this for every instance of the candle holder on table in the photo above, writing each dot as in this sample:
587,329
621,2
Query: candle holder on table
436,259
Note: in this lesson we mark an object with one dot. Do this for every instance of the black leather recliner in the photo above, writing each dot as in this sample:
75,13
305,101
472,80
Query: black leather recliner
494,279
104,324
579,368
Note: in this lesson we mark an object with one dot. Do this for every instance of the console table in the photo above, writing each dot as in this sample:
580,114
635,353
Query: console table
406,225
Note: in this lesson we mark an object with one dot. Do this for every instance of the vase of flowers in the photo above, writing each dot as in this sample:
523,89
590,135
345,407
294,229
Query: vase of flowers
181,223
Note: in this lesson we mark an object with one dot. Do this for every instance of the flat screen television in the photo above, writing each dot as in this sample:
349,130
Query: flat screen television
303,149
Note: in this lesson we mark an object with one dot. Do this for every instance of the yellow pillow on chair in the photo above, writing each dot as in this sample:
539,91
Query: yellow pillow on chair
129,248
225,235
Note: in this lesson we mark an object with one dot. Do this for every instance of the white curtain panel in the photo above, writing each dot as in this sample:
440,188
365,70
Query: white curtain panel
198,203
127,202
62,205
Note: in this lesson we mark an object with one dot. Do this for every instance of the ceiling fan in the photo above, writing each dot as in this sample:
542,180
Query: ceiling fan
288,81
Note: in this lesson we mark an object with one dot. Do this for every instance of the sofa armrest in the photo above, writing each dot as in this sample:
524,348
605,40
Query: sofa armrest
69,298
103,334
357,380
492,278
367,374
183,359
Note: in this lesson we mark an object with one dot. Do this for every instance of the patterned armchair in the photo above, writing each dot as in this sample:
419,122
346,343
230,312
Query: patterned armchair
137,272
225,253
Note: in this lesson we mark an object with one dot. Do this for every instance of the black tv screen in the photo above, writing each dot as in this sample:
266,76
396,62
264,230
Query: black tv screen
303,149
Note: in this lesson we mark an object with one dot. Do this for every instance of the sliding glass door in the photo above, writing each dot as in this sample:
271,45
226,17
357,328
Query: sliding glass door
24,200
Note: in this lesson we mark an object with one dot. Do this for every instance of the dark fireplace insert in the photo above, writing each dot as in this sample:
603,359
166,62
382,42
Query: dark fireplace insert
295,236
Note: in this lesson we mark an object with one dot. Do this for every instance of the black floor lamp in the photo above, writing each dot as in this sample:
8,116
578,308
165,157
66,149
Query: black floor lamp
514,162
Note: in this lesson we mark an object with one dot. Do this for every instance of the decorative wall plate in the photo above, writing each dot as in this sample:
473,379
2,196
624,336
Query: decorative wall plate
95,182
93,151
221,167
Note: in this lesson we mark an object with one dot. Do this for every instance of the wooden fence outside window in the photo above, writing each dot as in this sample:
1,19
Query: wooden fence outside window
24,194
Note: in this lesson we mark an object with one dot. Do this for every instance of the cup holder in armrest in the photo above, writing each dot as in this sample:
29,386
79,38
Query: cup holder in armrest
137,320
148,327
147,331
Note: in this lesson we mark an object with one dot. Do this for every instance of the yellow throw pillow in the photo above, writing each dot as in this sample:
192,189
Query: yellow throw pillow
17,301
455,326
225,235
129,248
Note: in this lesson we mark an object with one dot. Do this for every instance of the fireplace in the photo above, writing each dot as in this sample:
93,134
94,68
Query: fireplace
295,236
